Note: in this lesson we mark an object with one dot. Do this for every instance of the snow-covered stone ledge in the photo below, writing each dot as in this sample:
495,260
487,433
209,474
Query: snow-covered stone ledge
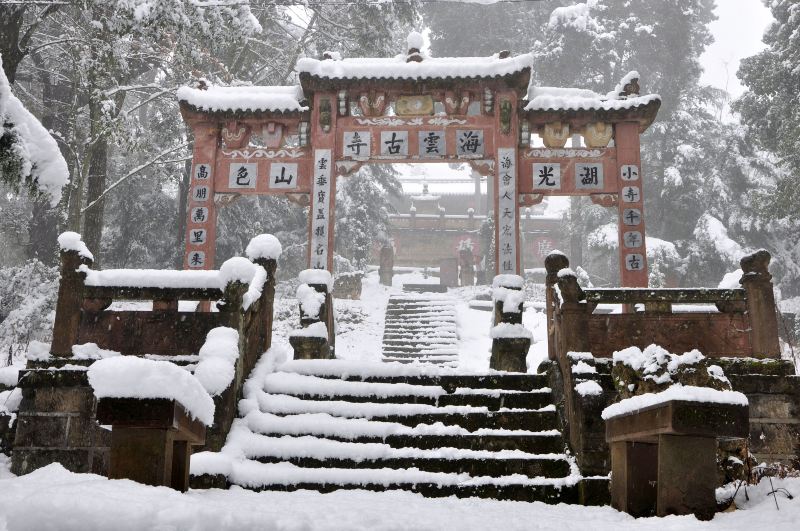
664,431
157,412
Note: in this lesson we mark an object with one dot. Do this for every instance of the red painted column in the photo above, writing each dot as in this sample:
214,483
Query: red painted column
201,222
631,235
506,185
322,208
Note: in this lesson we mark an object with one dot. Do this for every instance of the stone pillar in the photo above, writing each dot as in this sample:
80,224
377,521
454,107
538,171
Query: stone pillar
761,308
323,196
631,236
467,269
309,346
687,487
506,213
634,467
68,304
385,271
574,322
510,340
151,440
553,263
201,212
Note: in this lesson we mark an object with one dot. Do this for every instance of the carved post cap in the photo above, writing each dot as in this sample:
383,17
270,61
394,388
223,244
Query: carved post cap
553,263
263,247
756,265
569,287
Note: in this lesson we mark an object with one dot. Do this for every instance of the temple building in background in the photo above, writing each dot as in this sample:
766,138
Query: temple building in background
443,207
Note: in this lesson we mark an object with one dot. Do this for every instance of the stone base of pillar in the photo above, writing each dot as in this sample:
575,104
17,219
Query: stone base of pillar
687,487
56,423
310,348
634,467
509,353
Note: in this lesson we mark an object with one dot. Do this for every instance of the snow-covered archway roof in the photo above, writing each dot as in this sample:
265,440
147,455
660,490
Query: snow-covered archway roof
398,67
275,99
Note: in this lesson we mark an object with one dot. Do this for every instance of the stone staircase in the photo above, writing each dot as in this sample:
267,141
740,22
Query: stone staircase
420,327
328,425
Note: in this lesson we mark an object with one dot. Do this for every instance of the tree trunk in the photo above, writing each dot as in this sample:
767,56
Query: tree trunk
44,222
11,18
96,184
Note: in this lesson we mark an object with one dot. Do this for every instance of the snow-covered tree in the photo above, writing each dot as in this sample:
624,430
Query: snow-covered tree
29,156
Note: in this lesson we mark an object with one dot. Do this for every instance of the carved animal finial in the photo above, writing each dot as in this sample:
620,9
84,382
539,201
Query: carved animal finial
757,262
631,88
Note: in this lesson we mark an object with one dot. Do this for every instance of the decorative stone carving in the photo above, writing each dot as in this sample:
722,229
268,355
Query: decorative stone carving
301,199
346,167
456,103
372,104
325,118
555,134
605,200
414,105
597,134
235,135
272,135
505,116
484,167
526,200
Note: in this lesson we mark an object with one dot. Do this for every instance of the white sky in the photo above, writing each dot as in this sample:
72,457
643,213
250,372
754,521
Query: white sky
737,34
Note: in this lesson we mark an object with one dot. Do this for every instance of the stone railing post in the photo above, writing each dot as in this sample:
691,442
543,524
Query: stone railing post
503,287
467,267
553,263
265,250
510,340
70,293
574,320
761,309
386,264
307,342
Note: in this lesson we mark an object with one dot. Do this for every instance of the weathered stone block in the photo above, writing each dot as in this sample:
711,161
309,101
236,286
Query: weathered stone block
509,353
81,432
64,399
27,460
310,348
687,476
42,431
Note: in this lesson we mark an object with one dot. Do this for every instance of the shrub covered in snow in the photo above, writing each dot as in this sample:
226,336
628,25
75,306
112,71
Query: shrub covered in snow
27,306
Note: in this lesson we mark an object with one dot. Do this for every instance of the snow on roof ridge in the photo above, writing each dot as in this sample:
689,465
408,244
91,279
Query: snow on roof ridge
397,68
573,99
275,98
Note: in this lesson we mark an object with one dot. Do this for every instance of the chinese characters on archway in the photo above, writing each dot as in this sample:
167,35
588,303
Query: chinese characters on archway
469,143
588,176
507,211
631,199
281,175
199,215
320,209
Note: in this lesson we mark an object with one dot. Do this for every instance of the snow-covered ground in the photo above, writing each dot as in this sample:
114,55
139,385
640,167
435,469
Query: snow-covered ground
53,498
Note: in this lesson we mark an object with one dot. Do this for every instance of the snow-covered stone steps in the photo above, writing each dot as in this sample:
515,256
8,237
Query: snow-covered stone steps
441,361
421,328
452,382
419,353
513,400
327,425
496,468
